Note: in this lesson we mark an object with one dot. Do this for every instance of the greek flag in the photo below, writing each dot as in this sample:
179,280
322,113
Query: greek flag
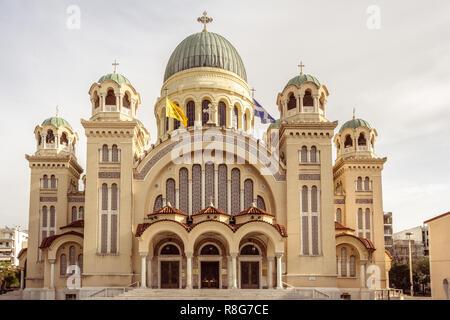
262,113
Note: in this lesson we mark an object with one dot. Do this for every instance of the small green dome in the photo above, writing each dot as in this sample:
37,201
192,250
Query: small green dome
116,77
57,122
275,124
355,123
205,49
298,80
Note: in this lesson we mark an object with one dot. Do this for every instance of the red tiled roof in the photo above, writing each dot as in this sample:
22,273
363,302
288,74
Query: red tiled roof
210,210
366,242
192,226
254,210
438,217
389,254
21,252
143,226
167,210
280,228
75,224
338,226
46,242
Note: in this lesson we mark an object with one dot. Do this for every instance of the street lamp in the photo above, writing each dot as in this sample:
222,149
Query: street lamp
409,234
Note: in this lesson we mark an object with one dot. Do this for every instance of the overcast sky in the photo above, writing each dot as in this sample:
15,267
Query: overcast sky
397,77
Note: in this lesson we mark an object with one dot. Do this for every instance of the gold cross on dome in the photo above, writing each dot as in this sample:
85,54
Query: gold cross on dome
205,20
301,65
115,64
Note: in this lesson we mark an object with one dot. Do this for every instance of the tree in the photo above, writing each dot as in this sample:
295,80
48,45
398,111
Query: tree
9,276
399,276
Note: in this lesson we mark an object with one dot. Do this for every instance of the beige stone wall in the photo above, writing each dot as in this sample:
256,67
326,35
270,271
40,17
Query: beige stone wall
439,233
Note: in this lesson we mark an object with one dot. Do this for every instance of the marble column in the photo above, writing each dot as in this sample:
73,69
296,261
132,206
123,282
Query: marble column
52,273
279,271
149,272
234,269
143,270
189,270
270,272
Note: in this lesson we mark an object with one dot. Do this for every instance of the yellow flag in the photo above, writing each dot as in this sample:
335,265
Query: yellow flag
174,111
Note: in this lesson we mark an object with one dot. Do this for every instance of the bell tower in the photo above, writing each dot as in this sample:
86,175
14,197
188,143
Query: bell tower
305,149
116,141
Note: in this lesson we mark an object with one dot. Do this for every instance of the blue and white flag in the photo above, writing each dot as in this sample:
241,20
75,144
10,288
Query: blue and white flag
262,113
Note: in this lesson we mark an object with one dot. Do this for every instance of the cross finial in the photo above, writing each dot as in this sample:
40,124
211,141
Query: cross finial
354,113
57,111
205,20
253,92
115,64
301,65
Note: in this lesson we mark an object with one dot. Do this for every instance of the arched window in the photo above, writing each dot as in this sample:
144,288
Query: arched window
110,99
104,196
81,213
367,218
44,216
158,203
53,182
170,192
360,223
223,188
62,265
52,218
80,262
292,103
343,262
305,199
114,225
190,110
209,183
74,213
96,100
362,140
260,203
184,190
235,118
235,190
352,266
222,114
209,250
339,215
115,153
245,122
304,154
50,138
359,184
45,182
114,197
63,140
308,99
313,155
105,153
71,256
196,187
367,183
248,193
176,124
126,101
314,199
170,249
250,250
205,115
348,141
166,121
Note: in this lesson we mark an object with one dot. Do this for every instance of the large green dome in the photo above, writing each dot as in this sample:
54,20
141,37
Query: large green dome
205,49
298,80
355,123
57,122
115,77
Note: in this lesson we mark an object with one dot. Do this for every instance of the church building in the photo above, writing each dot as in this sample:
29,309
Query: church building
207,206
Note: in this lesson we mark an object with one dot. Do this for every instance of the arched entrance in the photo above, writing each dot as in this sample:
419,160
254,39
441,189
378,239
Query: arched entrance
169,259
210,265
250,266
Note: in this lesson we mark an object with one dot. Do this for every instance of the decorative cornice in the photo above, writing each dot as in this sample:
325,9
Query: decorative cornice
364,201
48,199
339,201
108,175
309,176
74,199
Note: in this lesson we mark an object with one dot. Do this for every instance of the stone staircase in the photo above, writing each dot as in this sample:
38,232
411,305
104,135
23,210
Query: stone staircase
12,295
222,294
